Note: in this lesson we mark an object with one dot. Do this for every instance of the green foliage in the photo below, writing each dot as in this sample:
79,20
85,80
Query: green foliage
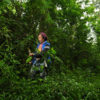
74,72
60,86
28,59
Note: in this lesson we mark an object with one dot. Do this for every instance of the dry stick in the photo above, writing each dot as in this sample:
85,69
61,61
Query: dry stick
29,50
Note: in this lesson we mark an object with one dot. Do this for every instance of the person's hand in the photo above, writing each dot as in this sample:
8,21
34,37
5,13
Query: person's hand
31,54
30,62
37,59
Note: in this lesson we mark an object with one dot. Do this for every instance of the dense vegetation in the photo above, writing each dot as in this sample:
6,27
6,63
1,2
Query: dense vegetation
74,73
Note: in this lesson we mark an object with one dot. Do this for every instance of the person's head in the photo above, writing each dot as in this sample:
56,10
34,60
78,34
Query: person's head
42,37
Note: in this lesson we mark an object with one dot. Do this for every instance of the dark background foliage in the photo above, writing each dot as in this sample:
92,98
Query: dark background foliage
74,73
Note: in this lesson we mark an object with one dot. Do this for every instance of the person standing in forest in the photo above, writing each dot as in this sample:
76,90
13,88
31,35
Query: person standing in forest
41,60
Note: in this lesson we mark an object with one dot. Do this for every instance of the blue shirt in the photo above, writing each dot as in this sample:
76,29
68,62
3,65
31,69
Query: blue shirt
45,47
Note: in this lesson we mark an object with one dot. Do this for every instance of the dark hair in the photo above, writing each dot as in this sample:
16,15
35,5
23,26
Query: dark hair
44,36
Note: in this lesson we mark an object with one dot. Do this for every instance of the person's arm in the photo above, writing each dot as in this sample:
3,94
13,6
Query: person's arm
31,54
